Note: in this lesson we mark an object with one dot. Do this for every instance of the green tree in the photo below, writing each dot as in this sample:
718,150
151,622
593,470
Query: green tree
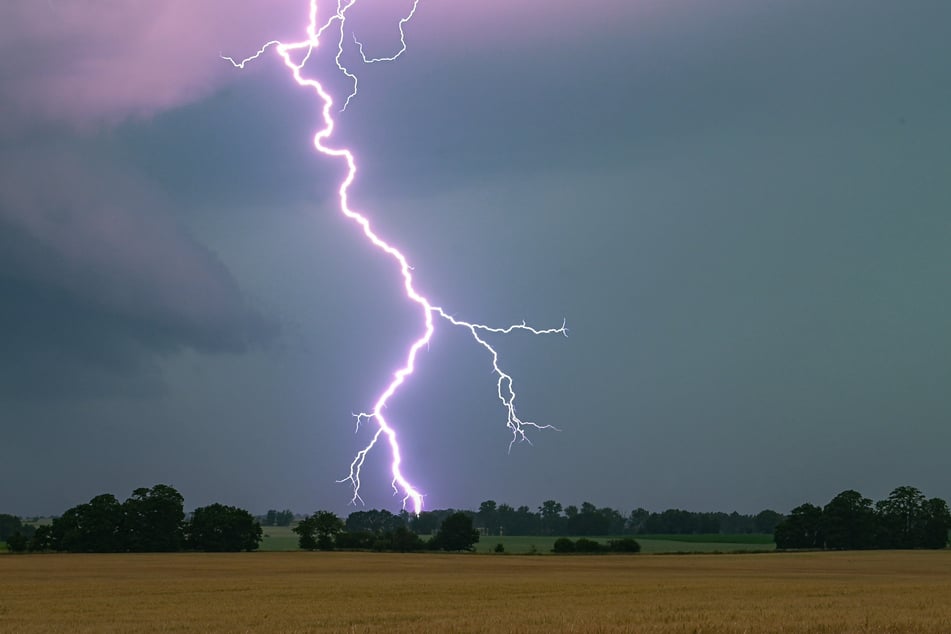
220,528
318,531
935,525
17,543
802,528
488,517
9,525
278,518
849,521
373,521
154,520
551,518
456,533
766,521
900,518
94,527
637,520
42,539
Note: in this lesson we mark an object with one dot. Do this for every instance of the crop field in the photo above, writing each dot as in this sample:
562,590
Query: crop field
898,591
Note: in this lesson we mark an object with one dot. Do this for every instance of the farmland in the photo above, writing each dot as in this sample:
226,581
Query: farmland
282,538
895,591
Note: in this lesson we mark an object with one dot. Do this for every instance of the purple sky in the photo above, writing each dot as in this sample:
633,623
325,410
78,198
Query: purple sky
740,208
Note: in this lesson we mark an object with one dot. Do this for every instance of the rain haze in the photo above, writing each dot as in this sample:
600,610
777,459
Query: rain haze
742,209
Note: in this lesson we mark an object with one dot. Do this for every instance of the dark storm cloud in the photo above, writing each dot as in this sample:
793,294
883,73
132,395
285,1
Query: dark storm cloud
739,206
93,272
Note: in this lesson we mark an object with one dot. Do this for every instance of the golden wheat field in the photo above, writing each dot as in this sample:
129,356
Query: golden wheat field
369,592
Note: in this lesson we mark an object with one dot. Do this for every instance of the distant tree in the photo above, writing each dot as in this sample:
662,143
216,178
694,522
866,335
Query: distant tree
42,539
488,517
900,519
94,527
765,521
9,525
552,521
153,520
401,540
319,531
849,521
456,533
220,528
427,522
590,520
278,518
347,540
802,528
17,543
374,521
935,525
673,522
637,521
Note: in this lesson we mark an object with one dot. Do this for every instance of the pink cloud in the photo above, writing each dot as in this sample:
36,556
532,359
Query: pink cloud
89,62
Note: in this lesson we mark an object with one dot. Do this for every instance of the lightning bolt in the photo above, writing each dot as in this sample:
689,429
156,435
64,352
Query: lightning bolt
428,311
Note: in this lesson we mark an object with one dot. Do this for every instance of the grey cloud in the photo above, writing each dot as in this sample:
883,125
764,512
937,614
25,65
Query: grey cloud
93,272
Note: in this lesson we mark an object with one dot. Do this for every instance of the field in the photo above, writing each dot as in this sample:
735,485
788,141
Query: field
281,538
872,591
649,543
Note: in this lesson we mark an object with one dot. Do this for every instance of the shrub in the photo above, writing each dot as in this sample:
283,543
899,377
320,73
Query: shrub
563,545
584,545
624,545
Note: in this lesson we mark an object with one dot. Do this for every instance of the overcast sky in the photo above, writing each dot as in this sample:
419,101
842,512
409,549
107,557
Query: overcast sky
741,208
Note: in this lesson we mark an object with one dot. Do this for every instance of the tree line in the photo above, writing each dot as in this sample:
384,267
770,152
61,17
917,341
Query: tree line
905,519
381,530
153,520
150,520
552,518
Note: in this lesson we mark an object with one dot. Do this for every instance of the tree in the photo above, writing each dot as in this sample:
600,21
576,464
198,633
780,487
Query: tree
373,521
456,533
637,521
220,528
9,525
278,518
94,527
17,543
153,520
936,522
42,540
766,521
849,521
318,531
802,528
488,517
551,518
900,519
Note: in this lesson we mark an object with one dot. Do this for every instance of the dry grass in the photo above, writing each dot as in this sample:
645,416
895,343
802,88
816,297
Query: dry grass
366,592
